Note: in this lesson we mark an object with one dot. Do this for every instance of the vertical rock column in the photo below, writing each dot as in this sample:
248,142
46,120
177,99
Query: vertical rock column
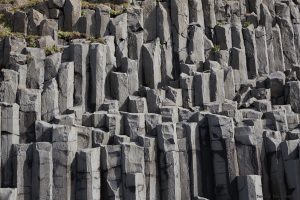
65,86
290,151
248,150
287,34
201,88
30,111
275,170
151,167
262,51
88,174
251,51
120,88
111,172
195,170
169,162
64,140
164,30
134,125
133,172
72,12
79,54
22,171
279,58
224,155
180,22
216,83
130,67
8,193
152,64
250,187
98,74
182,141
9,135
50,101
187,87
118,28
42,171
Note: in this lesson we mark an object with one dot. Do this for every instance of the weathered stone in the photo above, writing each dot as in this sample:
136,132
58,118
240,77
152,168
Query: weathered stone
56,3
50,96
87,24
251,51
79,54
20,22
134,125
64,140
49,27
98,74
152,64
65,86
42,171
120,88
72,10
8,193
250,187
22,157
102,21
88,174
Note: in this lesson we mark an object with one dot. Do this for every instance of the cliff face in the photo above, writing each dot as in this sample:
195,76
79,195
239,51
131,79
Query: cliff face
155,100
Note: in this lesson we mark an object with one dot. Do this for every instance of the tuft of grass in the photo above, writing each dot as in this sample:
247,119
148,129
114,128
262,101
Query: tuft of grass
6,30
96,40
68,36
114,13
116,9
28,5
5,26
216,49
52,50
220,23
246,24
31,40
88,5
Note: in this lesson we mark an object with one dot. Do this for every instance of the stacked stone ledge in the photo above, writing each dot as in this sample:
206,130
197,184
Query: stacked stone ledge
150,100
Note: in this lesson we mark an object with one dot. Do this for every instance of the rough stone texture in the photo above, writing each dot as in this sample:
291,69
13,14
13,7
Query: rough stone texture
150,100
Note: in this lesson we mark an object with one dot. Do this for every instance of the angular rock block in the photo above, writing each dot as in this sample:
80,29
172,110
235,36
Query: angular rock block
65,86
42,171
64,145
98,74
88,174
8,193
250,187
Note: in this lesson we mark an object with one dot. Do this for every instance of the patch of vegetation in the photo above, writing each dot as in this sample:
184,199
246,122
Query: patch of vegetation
26,6
52,50
88,5
6,30
7,1
96,40
116,9
246,24
5,26
220,23
114,13
32,40
68,36
216,49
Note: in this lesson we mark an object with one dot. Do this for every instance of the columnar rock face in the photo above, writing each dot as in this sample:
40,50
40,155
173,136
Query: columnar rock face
150,100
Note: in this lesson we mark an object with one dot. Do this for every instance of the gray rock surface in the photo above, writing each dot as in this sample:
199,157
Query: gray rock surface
150,100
